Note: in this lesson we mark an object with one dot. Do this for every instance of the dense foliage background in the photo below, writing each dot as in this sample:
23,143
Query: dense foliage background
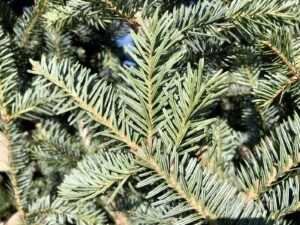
195,122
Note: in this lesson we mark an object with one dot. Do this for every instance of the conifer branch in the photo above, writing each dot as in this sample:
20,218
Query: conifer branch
38,12
89,108
204,212
282,50
33,102
280,160
287,197
249,75
82,102
292,69
295,208
210,162
153,122
218,17
192,106
4,113
55,149
48,209
278,92
252,83
7,76
8,73
135,148
130,21
257,10
34,106
14,179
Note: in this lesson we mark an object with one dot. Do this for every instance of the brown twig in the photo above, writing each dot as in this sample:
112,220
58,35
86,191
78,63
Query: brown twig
130,21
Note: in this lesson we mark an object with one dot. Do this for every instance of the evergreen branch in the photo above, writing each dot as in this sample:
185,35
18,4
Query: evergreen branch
191,105
203,14
266,93
211,16
52,73
76,10
93,13
283,61
190,183
19,174
96,174
285,199
278,156
259,13
8,73
34,101
16,159
218,155
28,30
276,94
155,65
279,47
190,100
59,44
244,9
293,70
249,75
172,183
243,80
75,81
81,101
130,21
31,19
4,114
293,92
45,211
56,148
13,175
142,136
110,64
150,215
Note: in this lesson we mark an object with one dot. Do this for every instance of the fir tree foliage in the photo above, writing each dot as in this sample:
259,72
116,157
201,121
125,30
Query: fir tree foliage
203,128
